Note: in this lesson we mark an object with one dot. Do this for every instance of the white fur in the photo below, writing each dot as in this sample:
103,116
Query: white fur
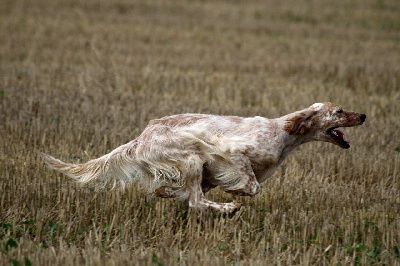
184,156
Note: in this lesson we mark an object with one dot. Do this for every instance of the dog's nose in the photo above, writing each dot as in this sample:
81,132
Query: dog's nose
362,117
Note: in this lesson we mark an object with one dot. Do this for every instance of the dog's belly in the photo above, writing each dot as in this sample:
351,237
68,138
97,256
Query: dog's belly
216,173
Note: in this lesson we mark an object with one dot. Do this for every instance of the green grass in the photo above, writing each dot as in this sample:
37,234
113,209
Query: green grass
78,79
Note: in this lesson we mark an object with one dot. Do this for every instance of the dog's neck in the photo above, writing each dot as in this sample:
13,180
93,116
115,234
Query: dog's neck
290,142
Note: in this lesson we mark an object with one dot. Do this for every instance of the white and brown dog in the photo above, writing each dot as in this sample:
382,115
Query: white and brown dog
183,156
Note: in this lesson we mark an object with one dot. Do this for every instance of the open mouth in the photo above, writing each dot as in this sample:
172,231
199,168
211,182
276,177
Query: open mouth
339,137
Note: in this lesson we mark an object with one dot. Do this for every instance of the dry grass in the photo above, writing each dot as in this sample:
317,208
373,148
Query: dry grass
79,78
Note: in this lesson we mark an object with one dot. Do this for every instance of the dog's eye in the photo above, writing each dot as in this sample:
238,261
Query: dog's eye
339,111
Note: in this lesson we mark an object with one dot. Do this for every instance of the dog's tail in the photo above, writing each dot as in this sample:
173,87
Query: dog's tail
119,166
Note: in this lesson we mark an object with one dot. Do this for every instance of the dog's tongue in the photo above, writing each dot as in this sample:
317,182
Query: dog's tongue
341,135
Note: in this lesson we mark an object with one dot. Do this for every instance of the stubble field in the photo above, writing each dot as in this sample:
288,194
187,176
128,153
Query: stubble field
80,78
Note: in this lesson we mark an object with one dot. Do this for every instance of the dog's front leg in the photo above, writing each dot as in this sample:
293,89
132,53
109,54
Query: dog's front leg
241,179
193,177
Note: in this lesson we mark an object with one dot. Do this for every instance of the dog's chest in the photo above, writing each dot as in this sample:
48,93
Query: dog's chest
265,159
264,168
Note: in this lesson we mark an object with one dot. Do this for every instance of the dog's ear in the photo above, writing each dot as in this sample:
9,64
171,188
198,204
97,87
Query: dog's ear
300,122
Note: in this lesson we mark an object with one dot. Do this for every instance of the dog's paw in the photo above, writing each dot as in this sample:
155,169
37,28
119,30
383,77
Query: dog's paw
230,207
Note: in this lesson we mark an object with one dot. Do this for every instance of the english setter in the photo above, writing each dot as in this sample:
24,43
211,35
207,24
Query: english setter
184,156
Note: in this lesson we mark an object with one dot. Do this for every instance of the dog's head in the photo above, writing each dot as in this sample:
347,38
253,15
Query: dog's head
321,122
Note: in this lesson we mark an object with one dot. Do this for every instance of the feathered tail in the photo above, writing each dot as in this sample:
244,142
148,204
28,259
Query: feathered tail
118,166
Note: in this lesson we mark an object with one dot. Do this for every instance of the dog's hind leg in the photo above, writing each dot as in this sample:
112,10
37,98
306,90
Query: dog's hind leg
202,202
170,192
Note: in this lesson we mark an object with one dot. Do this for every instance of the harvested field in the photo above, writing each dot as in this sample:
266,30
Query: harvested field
80,78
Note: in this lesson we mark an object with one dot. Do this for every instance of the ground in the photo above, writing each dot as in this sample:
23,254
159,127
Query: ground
80,78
